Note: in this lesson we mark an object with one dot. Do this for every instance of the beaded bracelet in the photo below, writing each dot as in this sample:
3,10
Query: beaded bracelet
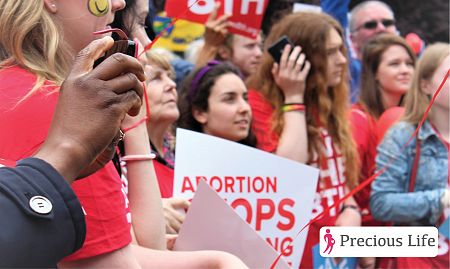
142,157
293,107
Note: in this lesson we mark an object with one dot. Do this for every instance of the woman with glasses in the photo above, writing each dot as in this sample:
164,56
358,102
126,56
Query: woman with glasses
368,19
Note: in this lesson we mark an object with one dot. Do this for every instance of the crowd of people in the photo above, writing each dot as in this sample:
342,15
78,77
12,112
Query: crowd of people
95,145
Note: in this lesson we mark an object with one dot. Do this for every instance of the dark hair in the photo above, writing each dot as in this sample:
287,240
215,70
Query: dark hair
119,21
198,98
373,50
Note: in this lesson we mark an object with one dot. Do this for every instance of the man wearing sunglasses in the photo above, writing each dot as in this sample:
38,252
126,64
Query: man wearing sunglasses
368,19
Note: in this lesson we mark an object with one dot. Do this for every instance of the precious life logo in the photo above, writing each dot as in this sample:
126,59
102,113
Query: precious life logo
378,241
328,237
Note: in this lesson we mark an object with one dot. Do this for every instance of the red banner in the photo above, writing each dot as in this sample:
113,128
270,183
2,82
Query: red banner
246,16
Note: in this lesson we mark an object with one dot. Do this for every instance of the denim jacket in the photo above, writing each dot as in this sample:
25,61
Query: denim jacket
390,199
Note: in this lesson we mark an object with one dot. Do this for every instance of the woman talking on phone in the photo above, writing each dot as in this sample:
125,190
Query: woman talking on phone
300,112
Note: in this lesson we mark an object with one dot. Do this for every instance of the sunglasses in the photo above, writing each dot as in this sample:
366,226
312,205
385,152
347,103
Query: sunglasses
370,25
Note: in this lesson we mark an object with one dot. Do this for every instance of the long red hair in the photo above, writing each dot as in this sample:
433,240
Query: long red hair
325,106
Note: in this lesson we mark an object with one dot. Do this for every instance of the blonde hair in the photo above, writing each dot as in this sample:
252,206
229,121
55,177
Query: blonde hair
330,104
416,100
31,39
160,59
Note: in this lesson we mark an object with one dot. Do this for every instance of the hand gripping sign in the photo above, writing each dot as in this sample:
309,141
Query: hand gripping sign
246,16
273,194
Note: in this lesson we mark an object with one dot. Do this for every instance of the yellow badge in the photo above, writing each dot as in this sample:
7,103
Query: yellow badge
98,7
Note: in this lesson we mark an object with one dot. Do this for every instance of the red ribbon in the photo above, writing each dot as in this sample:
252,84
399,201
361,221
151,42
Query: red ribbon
371,178
149,46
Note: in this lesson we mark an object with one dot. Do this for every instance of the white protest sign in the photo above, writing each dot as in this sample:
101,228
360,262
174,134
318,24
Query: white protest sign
273,194
205,229
299,7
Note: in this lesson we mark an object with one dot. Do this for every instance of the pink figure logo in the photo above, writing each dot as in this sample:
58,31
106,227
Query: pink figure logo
330,241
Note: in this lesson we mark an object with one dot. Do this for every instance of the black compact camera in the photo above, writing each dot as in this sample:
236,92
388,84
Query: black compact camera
123,46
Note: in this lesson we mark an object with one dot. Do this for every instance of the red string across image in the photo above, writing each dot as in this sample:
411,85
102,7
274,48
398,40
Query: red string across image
371,178
149,46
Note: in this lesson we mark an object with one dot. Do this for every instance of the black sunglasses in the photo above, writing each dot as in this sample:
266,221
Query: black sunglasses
370,25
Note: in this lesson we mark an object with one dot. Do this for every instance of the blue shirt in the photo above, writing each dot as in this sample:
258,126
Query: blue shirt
338,9
390,199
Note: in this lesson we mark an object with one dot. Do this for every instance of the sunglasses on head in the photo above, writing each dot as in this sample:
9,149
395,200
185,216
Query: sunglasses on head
370,25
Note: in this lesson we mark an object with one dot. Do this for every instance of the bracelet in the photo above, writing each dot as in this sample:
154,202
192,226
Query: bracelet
142,157
293,107
354,207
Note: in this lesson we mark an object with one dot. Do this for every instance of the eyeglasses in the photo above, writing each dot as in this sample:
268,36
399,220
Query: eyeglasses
370,25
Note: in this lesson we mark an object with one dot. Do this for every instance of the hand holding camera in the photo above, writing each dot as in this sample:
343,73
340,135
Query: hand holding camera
92,104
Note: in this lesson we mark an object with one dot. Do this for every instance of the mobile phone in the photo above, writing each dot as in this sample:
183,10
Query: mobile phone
123,46
276,49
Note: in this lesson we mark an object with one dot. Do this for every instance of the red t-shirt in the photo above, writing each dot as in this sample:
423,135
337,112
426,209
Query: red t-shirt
24,129
331,184
365,136
165,179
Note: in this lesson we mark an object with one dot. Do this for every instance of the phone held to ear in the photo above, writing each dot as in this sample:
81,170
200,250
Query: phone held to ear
276,49
123,45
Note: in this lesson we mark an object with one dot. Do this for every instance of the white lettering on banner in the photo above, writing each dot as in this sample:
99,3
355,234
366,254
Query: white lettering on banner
329,194
327,198
328,143
317,207
206,8
228,7
246,3
272,194
332,180
243,27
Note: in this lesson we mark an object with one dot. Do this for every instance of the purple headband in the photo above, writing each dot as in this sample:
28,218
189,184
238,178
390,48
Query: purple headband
199,76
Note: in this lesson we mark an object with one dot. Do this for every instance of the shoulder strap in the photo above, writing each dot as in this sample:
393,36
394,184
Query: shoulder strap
412,178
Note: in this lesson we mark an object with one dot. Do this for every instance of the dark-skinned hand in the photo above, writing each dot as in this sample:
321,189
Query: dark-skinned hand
91,106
